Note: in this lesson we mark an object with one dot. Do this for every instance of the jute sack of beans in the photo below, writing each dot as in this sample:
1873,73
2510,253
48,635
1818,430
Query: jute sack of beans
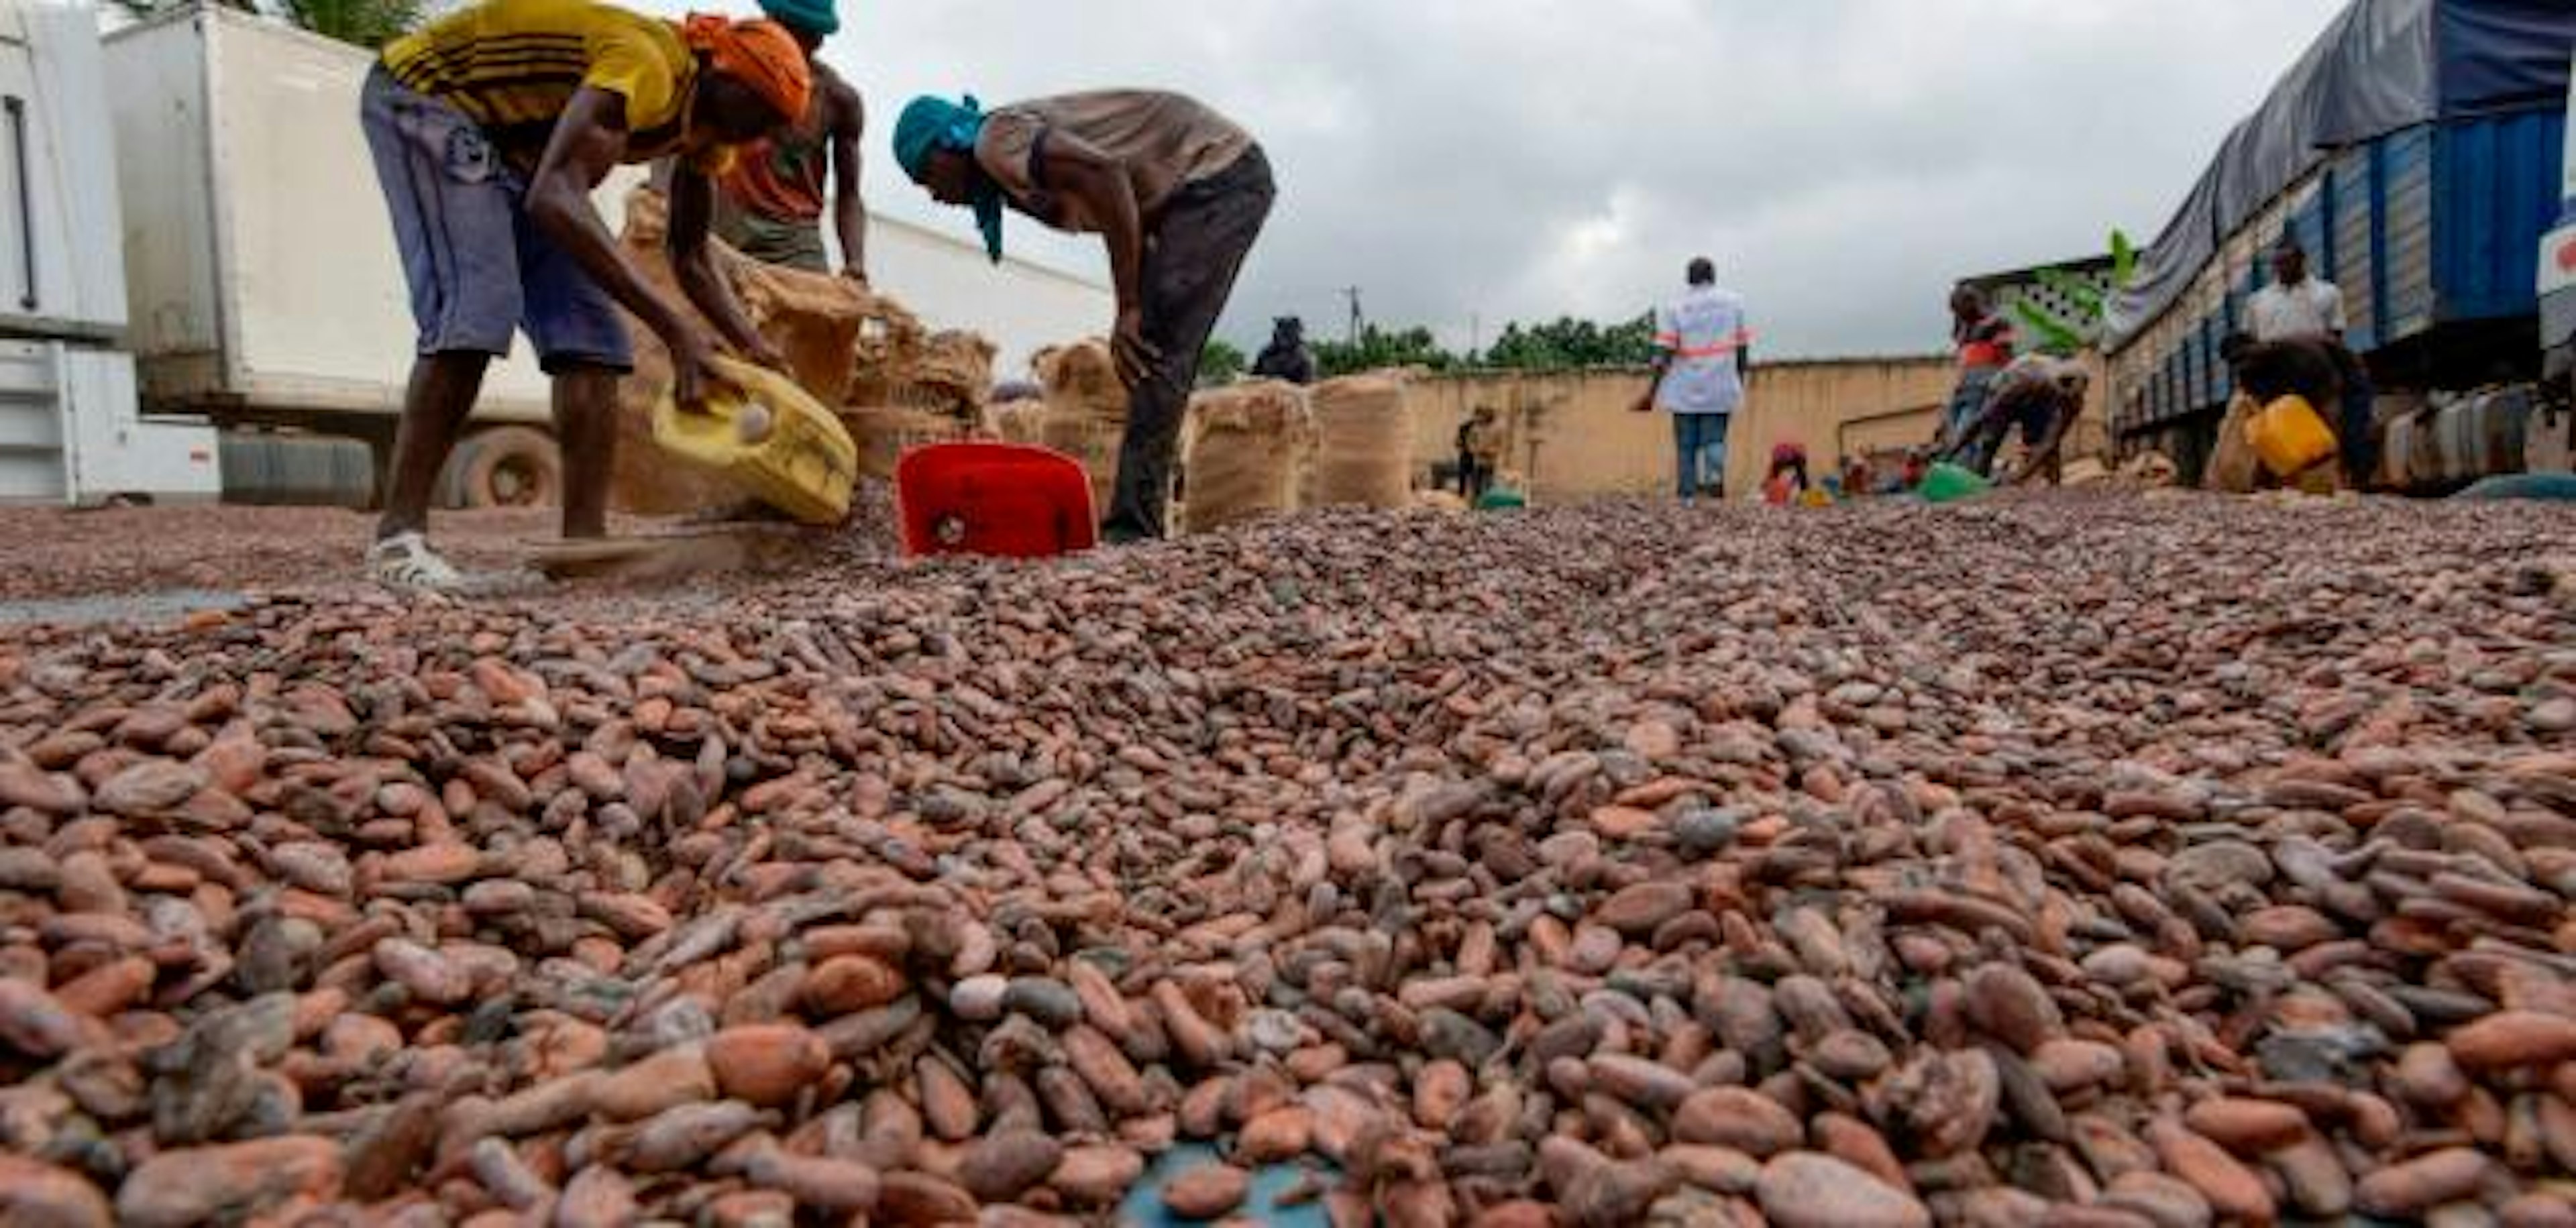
2233,467
885,432
1245,448
892,346
1022,421
954,376
1363,443
1086,410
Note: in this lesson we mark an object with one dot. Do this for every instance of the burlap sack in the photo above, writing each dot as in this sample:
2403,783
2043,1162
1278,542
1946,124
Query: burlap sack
1364,443
1086,410
890,349
2150,470
1244,456
885,432
1020,421
2233,466
954,375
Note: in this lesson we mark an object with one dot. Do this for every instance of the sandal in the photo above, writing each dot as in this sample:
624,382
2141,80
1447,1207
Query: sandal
405,561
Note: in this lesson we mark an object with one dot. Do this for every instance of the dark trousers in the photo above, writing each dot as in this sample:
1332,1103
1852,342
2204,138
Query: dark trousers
1191,259
2359,434
1474,479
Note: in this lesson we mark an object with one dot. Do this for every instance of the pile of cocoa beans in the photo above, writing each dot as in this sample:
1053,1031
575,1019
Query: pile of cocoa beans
2082,861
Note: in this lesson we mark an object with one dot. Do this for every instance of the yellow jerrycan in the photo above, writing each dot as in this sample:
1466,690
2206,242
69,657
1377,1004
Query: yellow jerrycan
2290,436
770,438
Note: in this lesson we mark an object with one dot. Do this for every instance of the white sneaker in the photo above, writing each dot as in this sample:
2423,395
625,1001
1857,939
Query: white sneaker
405,561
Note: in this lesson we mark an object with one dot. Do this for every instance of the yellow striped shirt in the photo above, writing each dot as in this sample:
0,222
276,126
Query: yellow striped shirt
512,66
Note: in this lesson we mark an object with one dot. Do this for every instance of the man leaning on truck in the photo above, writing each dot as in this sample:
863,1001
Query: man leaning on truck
490,128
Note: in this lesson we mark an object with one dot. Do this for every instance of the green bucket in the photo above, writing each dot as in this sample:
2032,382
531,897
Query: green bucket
1947,483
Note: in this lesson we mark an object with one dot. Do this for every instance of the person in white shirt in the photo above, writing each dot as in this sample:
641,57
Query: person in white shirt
2297,309
2295,305
1703,353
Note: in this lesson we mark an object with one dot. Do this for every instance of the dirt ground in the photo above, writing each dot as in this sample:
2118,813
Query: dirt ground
55,553
1569,859
60,559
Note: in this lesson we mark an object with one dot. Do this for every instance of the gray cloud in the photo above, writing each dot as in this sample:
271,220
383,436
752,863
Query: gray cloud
1842,160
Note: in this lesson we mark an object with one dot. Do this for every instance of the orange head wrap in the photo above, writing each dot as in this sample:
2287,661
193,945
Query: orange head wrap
758,53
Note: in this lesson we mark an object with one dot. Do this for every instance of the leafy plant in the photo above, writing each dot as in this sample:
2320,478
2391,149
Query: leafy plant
1379,348
362,23
1220,363
1570,344
365,23
1562,344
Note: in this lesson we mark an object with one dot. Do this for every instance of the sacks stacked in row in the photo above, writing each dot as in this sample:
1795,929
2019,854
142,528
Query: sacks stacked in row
1245,454
1246,451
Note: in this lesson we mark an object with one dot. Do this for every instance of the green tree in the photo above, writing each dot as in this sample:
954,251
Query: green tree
366,23
1569,344
1220,363
1379,348
363,23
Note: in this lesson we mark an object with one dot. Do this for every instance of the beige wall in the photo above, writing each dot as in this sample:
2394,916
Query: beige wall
1575,434
1576,437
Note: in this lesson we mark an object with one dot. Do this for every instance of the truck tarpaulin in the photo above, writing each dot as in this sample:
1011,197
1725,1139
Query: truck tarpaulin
2381,66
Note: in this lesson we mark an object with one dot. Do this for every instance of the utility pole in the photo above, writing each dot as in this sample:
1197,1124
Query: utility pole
1353,294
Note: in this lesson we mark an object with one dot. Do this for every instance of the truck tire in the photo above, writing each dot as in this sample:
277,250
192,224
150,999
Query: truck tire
284,470
508,466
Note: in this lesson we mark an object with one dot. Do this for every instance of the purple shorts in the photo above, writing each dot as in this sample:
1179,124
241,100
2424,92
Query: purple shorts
478,267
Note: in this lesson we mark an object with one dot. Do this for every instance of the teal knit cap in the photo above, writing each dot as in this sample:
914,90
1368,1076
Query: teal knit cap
929,125
815,17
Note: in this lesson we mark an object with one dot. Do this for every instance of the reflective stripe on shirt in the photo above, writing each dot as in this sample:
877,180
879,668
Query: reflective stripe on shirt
1704,333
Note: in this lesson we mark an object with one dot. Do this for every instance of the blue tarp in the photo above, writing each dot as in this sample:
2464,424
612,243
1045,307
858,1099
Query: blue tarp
2380,66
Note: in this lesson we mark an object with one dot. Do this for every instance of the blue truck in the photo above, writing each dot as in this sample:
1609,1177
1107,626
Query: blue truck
2419,151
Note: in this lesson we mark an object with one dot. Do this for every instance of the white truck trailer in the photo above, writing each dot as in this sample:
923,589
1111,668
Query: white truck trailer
269,299
71,430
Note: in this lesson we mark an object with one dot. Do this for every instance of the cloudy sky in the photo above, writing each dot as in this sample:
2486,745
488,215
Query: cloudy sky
1842,160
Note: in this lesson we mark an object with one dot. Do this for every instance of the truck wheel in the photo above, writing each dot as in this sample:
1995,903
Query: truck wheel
509,466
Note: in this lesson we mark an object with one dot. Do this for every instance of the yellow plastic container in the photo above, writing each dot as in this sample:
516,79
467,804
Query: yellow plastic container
772,439
2290,437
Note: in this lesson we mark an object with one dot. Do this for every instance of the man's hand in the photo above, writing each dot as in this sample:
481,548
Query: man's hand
767,354
1645,402
693,376
855,275
1135,355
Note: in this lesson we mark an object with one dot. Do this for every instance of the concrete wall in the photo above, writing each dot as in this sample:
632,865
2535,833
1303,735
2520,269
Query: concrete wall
1575,436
